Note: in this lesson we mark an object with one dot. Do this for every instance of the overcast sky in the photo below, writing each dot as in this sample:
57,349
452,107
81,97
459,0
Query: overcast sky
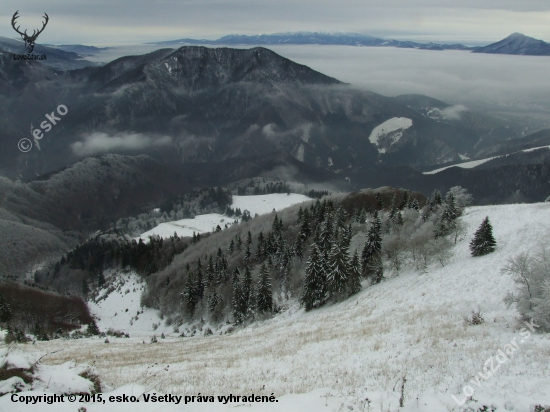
101,22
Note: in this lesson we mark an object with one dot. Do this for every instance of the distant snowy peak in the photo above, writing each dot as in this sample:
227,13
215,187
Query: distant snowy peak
517,44
388,133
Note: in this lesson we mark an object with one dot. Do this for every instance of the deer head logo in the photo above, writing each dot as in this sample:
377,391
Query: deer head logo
29,40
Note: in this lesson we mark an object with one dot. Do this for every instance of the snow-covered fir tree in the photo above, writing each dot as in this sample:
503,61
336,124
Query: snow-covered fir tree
483,242
338,272
372,252
264,293
314,289
354,278
236,301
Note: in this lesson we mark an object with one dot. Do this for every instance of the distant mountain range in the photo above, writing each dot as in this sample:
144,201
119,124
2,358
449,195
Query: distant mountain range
203,105
337,39
516,44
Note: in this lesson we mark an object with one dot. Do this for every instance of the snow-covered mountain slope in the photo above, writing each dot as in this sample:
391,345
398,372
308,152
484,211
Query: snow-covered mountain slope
386,134
411,325
260,205
118,307
475,163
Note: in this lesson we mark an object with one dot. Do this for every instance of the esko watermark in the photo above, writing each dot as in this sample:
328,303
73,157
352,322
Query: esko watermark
25,145
502,356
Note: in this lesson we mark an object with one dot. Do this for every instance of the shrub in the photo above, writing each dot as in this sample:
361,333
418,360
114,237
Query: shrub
532,297
475,318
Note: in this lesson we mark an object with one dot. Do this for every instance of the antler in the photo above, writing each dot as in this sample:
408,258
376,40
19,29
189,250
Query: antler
34,33
13,19
34,36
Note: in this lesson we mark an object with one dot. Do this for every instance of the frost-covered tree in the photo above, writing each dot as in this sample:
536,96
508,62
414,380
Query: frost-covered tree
305,228
264,293
354,278
372,252
462,197
532,297
246,292
314,289
236,301
483,242
338,272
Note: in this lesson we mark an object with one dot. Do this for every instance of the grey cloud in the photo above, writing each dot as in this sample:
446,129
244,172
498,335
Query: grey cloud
119,21
453,112
518,83
96,143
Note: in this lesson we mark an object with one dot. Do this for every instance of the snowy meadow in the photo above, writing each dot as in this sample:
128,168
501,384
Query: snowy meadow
404,338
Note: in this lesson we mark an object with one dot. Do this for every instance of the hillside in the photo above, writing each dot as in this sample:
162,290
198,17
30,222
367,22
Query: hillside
409,325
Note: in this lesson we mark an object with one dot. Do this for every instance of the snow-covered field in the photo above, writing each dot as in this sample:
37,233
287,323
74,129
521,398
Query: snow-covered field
474,163
121,309
260,204
392,129
353,355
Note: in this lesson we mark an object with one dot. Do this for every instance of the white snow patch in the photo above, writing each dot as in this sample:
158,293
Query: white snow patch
260,204
391,129
474,163
186,227
463,157
121,309
330,163
264,204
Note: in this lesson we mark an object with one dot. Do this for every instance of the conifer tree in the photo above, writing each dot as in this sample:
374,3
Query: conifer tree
483,242
314,289
354,279
338,273
236,301
305,228
372,252
190,292
264,294
451,211
404,201
231,247
393,210
325,240
260,248
415,205
199,281
437,199
247,253
6,314
300,215
209,272
379,201
246,292
299,248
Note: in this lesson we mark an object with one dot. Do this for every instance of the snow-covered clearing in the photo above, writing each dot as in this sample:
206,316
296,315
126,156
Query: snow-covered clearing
392,129
118,307
474,163
186,227
263,204
260,204
409,325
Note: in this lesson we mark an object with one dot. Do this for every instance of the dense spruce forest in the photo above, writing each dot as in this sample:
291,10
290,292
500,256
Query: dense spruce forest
319,252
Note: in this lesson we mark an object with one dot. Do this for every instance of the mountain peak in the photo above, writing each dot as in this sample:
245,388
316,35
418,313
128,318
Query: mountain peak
518,44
